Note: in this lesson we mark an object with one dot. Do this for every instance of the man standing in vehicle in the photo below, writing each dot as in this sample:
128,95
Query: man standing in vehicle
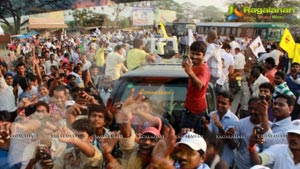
199,76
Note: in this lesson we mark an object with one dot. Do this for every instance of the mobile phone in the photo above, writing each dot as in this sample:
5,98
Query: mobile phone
259,130
262,97
84,110
44,152
185,58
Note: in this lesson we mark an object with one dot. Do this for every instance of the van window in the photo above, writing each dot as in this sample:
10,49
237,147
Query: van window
164,97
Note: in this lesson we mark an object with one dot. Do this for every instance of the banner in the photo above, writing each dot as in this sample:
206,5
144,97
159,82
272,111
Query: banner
191,38
163,31
142,16
257,47
287,43
297,53
1,31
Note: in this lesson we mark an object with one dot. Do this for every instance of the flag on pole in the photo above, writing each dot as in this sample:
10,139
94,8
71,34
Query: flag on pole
297,53
287,43
191,38
162,30
257,46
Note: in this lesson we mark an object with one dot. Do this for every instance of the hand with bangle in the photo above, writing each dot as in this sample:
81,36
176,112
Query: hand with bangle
255,138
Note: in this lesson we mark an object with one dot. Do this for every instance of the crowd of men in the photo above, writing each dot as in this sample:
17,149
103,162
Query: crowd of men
53,96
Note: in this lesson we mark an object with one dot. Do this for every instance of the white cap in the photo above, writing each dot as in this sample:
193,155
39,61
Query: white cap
295,128
194,141
259,167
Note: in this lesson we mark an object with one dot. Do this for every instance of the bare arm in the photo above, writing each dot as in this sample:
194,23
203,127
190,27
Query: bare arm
254,139
151,58
84,147
187,66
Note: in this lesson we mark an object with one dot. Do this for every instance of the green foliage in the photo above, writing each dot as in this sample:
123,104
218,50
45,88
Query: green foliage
168,5
88,18
125,23
17,8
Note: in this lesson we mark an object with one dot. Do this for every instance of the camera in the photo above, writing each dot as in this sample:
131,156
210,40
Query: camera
262,97
84,110
44,152
259,130
185,58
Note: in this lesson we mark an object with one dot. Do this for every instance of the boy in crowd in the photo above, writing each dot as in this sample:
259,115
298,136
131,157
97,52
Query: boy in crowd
199,75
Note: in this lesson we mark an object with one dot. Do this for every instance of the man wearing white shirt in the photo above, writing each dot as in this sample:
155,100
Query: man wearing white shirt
50,62
256,79
233,44
86,65
239,60
228,69
279,155
275,54
7,97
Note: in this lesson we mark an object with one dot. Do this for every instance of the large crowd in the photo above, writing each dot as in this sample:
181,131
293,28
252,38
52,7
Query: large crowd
53,96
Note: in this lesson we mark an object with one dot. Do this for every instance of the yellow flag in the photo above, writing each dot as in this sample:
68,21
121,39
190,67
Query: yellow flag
162,30
287,43
297,53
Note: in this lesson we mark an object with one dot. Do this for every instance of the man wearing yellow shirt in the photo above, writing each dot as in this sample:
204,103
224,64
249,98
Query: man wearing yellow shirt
137,55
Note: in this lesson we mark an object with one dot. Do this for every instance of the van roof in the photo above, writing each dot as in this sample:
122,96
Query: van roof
157,70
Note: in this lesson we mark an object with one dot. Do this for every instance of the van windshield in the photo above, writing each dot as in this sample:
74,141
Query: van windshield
164,98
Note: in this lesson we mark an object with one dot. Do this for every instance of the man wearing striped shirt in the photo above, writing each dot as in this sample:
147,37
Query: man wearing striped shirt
281,86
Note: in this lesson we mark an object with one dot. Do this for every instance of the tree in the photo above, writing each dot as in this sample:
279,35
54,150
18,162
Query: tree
15,9
168,5
188,10
118,9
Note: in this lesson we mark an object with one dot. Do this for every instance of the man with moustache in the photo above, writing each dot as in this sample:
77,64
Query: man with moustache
136,155
190,152
244,129
276,132
280,155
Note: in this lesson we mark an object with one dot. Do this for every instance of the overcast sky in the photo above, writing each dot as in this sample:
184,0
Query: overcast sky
221,4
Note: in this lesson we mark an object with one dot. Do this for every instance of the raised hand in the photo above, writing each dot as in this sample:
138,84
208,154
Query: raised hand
108,143
130,105
66,135
5,131
163,149
217,121
255,138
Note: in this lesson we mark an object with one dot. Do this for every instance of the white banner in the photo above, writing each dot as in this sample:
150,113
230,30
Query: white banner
191,38
257,46
142,16
1,31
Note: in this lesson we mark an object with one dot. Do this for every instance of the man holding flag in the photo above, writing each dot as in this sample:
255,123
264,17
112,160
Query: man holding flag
162,30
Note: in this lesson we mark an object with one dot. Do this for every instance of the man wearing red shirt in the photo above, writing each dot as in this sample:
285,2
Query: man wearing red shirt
199,76
270,69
